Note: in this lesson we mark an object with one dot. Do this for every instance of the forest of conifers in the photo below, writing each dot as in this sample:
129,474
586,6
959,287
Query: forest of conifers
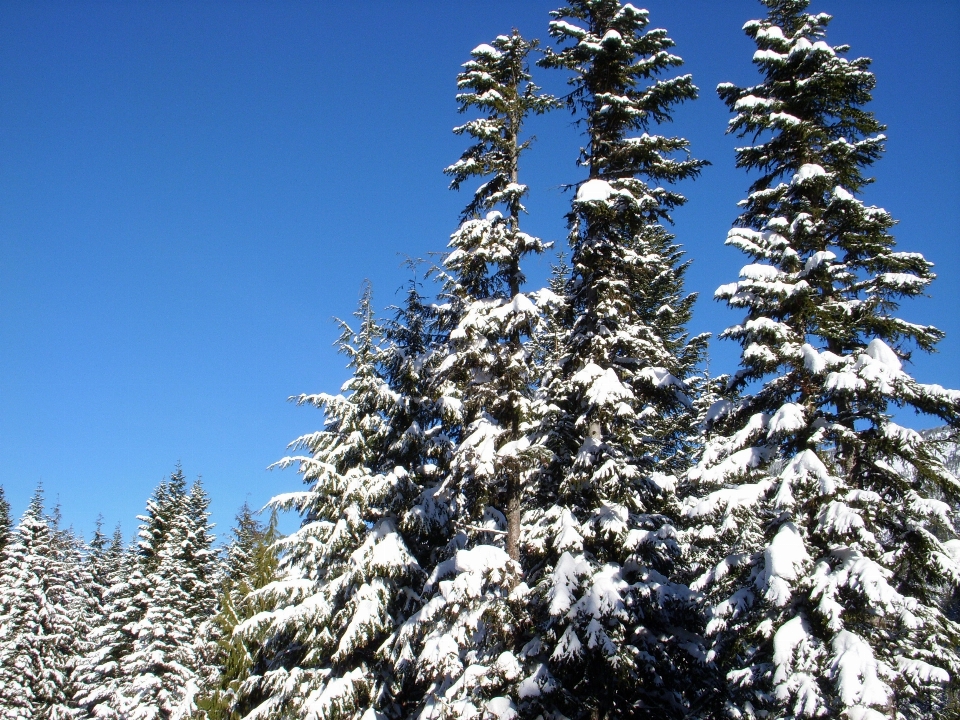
537,502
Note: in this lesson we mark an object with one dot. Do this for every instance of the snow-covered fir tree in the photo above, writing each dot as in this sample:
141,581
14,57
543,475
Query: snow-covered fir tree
160,671
41,628
408,360
197,556
98,562
827,527
610,616
346,574
458,649
101,672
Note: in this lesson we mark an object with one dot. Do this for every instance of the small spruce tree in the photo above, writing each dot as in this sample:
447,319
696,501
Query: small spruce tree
346,574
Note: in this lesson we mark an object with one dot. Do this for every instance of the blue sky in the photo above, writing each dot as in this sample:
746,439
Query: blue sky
190,191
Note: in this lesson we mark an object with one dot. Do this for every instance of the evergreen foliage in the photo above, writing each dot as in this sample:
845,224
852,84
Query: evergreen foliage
6,522
251,564
166,502
99,673
825,562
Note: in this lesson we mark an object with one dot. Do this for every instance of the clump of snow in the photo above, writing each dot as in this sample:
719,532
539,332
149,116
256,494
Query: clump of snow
501,708
881,352
759,272
612,36
718,410
855,670
595,191
484,49
818,259
789,418
808,172
812,359
608,390
784,560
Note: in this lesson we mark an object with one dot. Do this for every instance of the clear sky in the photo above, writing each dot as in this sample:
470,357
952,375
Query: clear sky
190,191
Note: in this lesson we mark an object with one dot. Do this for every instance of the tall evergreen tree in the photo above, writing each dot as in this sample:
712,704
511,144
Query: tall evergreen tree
160,671
825,562
96,558
462,637
40,630
611,614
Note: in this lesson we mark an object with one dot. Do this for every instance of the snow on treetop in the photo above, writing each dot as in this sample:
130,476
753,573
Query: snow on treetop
629,9
595,191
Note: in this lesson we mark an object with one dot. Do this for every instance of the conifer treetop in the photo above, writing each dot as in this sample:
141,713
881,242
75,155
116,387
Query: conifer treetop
616,64
496,81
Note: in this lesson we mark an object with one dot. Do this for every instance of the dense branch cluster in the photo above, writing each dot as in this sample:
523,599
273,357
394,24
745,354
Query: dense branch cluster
534,502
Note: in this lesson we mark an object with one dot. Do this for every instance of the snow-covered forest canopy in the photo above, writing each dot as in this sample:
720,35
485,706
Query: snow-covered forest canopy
534,498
